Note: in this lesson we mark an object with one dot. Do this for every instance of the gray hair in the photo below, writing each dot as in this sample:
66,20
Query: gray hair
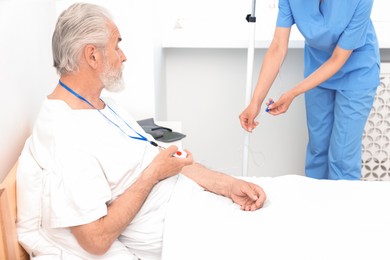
77,26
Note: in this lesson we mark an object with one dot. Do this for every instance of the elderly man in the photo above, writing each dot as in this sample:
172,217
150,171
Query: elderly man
91,183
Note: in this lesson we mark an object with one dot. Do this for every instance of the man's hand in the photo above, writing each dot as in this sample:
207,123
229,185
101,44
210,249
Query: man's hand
248,195
165,165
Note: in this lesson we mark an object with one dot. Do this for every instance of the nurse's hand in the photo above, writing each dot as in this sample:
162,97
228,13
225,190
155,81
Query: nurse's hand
282,105
247,117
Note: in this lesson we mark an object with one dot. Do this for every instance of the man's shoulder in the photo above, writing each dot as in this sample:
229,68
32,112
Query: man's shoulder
55,123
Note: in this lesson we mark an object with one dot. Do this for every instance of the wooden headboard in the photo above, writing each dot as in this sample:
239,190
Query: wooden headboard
10,249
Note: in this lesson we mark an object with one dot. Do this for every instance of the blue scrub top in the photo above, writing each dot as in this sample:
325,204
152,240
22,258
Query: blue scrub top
345,23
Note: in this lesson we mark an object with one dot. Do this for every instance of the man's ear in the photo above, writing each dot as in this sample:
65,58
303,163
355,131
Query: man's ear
92,55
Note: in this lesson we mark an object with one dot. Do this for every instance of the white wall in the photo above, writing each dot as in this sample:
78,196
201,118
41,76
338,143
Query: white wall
205,90
205,49
26,73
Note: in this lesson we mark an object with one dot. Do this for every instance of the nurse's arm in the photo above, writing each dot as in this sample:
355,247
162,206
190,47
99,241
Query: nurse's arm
323,73
272,62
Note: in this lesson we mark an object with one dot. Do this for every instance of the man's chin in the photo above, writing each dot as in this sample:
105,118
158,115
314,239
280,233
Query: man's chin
116,87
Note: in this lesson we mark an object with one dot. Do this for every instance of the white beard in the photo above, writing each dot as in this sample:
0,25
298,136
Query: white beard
112,79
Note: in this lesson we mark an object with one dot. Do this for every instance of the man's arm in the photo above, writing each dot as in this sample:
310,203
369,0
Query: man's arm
97,237
246,194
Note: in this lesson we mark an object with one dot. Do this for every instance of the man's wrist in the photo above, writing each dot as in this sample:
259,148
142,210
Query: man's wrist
148,178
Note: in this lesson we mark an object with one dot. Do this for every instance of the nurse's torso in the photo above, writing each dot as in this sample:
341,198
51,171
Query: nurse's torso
322,24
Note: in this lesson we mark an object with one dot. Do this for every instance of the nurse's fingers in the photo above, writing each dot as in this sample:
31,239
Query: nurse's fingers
247,123
277,108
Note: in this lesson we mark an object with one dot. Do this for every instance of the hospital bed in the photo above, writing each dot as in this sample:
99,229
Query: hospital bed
302,219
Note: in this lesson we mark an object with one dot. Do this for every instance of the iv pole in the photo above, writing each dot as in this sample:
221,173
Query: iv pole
251,18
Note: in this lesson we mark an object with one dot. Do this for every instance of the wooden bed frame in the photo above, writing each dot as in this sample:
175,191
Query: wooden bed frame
10,249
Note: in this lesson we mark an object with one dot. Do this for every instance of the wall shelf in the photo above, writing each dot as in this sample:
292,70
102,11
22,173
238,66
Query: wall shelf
204,39
203,24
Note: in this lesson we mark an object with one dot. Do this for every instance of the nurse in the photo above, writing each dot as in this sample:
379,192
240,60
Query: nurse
341,75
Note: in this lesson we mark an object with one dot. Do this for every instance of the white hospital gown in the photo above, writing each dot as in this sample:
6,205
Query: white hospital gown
81,163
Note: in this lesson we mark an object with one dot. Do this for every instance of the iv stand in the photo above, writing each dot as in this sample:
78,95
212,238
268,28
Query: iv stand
251,46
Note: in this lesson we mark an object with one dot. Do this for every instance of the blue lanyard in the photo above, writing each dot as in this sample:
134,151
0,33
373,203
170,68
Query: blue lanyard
139,137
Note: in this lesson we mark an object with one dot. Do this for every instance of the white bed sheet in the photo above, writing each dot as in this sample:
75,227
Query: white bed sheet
302,219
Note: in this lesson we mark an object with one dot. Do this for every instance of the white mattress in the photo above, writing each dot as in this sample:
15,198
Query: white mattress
302,219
